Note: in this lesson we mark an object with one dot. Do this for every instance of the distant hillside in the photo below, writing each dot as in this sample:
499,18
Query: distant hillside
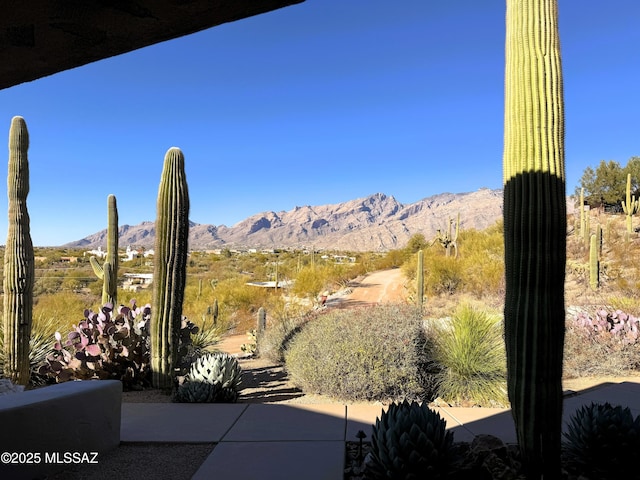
375,223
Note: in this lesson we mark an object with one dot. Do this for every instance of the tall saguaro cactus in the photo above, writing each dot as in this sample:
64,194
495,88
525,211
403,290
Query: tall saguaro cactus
534,231
18,259
108,272
170,268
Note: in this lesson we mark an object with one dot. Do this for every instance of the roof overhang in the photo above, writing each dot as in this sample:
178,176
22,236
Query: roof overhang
43,37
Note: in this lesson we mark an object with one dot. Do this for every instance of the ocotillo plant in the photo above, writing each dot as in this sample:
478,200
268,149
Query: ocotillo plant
18,259
534,231
630,206
420,281
594,263
108,271
170,268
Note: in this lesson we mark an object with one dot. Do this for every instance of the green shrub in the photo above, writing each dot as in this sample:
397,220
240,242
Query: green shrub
372,353
469,348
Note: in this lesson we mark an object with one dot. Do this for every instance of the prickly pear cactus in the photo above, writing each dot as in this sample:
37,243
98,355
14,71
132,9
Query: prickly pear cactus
18,260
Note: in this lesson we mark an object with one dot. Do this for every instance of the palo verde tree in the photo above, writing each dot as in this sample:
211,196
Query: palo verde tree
534,231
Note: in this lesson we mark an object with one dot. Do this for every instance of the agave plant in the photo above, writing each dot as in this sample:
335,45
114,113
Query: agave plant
410,440
601,441
212,377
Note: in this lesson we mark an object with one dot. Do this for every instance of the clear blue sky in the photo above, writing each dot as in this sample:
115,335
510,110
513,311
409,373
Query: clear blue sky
317,103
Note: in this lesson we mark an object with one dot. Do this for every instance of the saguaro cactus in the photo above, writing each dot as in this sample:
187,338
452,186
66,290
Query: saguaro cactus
449,239
108,271
170,268
630,206
18,259
534,231
420,281
594,263
582,219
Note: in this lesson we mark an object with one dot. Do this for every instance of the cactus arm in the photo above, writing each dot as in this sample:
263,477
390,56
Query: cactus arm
18,259
534,231
170,263
97,268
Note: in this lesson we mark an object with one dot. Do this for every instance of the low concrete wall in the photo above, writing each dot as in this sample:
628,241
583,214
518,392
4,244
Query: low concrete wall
49,429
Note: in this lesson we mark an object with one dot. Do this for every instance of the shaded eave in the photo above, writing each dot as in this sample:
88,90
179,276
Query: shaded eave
43,37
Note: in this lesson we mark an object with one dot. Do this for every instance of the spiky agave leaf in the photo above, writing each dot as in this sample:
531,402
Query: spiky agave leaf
410,441
216,368
600,439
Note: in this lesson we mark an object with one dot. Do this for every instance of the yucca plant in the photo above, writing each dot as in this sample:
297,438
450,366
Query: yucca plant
410,441
469,349
40,344
602,441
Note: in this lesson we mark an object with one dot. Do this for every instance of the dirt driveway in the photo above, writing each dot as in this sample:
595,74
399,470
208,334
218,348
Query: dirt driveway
383,286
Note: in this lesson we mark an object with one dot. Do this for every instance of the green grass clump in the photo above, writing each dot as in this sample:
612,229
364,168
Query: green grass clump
371,353
469,348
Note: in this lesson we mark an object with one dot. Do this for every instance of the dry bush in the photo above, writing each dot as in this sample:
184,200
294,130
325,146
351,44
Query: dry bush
591,353
372,353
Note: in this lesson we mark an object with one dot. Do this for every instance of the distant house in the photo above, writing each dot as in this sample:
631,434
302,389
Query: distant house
96,253
135,282
131,254
69,259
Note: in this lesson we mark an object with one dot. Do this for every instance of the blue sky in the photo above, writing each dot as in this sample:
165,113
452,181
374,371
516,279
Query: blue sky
321,102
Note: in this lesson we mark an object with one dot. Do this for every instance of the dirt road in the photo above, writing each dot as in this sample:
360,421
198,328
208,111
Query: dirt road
383,286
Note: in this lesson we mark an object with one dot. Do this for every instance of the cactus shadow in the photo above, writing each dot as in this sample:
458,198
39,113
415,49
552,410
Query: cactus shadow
267,384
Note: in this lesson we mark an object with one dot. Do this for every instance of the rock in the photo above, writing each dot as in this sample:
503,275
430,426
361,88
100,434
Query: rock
7,388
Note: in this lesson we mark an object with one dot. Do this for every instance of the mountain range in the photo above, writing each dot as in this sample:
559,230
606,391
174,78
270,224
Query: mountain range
374,223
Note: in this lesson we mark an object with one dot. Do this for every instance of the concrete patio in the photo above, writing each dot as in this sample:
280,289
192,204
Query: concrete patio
293,441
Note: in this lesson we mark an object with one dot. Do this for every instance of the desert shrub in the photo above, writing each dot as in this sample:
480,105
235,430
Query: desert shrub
444,275
478,269
469,348
284,322
372,353
310,281
601,343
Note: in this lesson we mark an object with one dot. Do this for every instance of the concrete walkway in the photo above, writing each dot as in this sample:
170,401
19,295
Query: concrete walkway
294,441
